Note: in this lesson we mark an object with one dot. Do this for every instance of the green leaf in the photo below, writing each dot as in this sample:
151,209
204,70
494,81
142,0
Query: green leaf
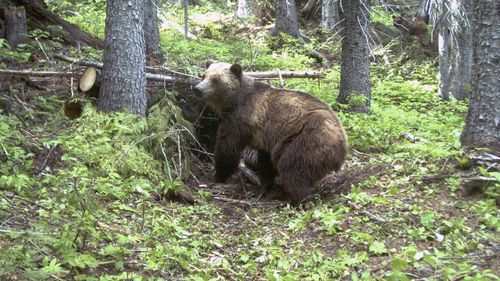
378,248
399,264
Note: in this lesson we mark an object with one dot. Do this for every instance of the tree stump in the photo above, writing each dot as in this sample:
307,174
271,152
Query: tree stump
15,26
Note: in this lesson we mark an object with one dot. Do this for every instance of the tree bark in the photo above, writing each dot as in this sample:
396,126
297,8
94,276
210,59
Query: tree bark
286,19
461,49
248,10
330,17
355,86
444,57
15,26
423,10
2,20
124,79
482,126
152,33
186,19
311,9
40,17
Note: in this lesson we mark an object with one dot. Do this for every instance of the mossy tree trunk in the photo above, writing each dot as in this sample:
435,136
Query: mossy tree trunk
123,76
355,88
482,126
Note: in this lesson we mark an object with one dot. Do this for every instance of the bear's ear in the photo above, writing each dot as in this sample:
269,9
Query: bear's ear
208,63
236,69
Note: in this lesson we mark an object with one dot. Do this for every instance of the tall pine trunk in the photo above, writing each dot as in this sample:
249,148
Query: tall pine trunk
482,126
355,86
330,17
286,19
123,77
444,57
461,49
152,33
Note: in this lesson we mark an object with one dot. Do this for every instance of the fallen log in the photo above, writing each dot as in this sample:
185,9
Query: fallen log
259,75
39,73
39,16
90,82
149,76
90,63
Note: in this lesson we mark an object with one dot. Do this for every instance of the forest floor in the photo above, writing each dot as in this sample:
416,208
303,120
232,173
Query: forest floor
86,199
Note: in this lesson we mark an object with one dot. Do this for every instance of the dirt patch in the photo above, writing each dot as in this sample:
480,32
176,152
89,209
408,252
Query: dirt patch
46,158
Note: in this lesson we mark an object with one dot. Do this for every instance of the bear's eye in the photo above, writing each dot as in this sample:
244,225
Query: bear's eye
215,80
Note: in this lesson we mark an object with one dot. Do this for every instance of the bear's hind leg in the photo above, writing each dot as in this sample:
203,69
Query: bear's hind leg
296,186
266,170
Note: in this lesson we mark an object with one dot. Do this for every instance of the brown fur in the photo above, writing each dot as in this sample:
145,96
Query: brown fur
299,139
408,24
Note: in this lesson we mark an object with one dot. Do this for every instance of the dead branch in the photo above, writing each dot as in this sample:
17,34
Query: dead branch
368,214
38,73
286,74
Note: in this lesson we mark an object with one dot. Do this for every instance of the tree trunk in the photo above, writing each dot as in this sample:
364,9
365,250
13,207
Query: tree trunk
154,53
2,20
330,17
40,17
248,10
286,19
15,26
124,79
311,9
482,126
355,68
186,19
444,57
461,49
423,10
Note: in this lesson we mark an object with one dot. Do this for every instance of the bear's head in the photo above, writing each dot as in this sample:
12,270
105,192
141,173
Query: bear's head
221,85
399,21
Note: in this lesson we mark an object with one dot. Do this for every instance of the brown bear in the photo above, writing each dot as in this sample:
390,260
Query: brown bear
410,25
298,138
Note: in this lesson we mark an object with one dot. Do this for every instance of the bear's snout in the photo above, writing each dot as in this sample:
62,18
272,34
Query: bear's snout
197,90
200,88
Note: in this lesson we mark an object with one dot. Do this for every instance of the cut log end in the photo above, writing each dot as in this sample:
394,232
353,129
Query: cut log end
90,82
88,79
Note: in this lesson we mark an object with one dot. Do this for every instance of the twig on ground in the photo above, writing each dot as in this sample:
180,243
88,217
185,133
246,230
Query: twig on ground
46,160
369,215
